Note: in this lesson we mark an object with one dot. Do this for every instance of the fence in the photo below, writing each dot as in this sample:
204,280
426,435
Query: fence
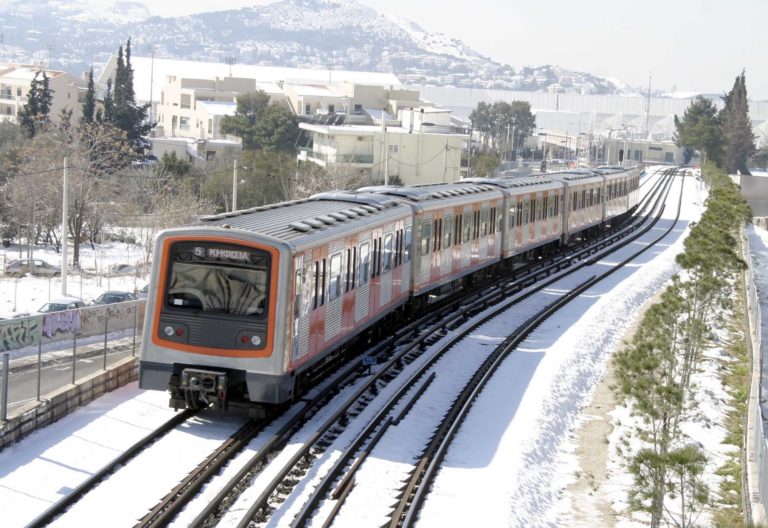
45,353
756,461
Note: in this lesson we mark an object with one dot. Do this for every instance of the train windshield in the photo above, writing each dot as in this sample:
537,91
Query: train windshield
218,278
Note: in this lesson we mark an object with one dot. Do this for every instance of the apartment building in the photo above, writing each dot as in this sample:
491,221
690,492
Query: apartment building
15,80
193,108
415,146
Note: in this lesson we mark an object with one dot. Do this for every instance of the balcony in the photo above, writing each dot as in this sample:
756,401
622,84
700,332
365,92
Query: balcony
324,158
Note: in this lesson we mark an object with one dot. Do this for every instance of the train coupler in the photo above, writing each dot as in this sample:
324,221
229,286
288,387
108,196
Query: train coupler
204,388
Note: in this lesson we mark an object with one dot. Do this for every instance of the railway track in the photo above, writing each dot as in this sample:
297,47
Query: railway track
296,465
394,354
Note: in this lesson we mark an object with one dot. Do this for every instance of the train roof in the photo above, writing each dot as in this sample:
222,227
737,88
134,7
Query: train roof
576,175
518,182
428,192
308,218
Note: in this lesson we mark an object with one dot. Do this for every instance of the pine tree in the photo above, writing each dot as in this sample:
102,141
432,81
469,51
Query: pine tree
89,105
737,127
700,130
35,114
120,108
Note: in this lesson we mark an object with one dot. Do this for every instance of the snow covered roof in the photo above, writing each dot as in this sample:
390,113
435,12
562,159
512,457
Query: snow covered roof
148,74
218,107
317,90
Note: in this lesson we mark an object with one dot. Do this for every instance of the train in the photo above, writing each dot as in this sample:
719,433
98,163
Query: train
244,306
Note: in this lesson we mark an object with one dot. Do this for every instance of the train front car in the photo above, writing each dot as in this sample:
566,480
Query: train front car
210,329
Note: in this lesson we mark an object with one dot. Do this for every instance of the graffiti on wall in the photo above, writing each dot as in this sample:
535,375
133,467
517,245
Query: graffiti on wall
67,322
19,334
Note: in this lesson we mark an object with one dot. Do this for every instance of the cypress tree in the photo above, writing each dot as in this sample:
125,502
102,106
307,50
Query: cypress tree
737,127
35,114
89,105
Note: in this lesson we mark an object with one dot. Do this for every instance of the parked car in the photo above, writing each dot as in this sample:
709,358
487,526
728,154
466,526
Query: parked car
61,304
122,269
143,292
20,267
111,297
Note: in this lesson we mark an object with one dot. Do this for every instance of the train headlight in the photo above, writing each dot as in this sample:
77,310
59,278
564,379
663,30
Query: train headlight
256,340
169,331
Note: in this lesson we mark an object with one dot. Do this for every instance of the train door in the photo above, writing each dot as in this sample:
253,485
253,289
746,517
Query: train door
319,286
387,267
350,283
446,254
363,277
302,266
334,294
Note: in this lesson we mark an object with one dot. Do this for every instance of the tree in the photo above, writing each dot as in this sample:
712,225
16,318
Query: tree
120,108
89,104
737,128
700,129
503,126
35,114
262,125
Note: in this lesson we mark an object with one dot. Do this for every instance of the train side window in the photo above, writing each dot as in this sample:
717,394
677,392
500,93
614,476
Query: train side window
348,272
467,222
354,266
457,229
448,234
365,263
512,215
334,279
438,234
476,225
387,252
426,237
316,285
484,223
374,257
324,272
377,263
526,212
297,288
557,204
407,244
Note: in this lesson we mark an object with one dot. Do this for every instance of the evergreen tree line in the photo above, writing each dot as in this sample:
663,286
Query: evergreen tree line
722,136
654,370
503,128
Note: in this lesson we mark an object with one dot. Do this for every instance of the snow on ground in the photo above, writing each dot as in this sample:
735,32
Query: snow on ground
513,457
28,294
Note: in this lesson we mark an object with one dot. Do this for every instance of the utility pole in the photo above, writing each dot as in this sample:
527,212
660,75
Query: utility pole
234,187
648,105
386,148
445,158
64,225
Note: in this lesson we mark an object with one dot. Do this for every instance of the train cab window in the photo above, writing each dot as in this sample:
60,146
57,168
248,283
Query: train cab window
334,280
363,269
408,240
426,237
218,279
388,252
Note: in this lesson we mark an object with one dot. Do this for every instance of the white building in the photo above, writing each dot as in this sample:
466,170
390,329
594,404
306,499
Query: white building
15,80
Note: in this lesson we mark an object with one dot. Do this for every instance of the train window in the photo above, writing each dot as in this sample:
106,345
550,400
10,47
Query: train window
467,227
457,229
438,235
365,263
348,271
426,236
520,212
297,287
334,280
218,278
512,215
407,244
526,212
575,201
448,233
316,285
557,204
324,276
354,267
484,223
387,252
476,225
375,258
499,219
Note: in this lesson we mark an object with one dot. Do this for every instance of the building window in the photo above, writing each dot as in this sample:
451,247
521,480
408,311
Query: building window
184,123
210,126
358,108
331,109
307,109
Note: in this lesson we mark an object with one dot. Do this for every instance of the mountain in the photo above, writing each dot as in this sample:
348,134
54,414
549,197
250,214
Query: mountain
340,34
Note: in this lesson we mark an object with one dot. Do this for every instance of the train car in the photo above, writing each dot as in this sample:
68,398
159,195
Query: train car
532,212
244,304
583,200
622,190
458,227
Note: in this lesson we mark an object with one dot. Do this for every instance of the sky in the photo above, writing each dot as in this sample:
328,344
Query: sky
685,45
